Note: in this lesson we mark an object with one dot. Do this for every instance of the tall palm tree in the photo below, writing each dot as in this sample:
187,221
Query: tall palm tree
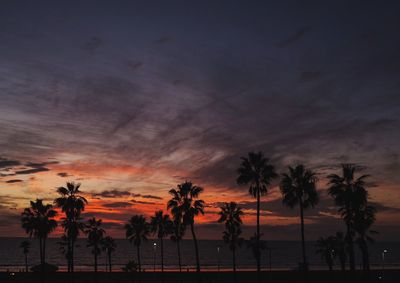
25,246
38,221
256,172
364,219
341,249
326,248
184,202
95,236
298,187
137,231
230,214
178,230
109,247
161,225
349,194
72,203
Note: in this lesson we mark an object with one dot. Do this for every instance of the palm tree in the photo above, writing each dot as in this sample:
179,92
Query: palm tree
349,194
109,247
298,187
340,249
25,246
72,203
137,231
256,172
95,236
161,225
326,248
364,218
256,245
178,230
38,221
184,202
230,214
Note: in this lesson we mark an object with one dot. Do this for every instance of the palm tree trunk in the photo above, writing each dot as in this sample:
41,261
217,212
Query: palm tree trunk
72,255
350,248
365,254
44,250
342,262
234,259
26,262
109,261
258,231
195,247
95,262
162,254
303,244
179,255
138,256
41,250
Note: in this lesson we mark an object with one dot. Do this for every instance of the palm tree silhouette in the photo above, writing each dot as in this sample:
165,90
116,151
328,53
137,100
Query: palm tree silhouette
341,249
256,245
137,231
38,221
184,202
230,215
326,248
95,236
298,187
25,246
178,230
72,203
364,218
161,225
256,172
349,194
109,246
63,246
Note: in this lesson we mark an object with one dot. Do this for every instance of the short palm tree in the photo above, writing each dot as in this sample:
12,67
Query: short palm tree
109,246
137,231
38,221
298,187
161,225
364,219
95,235
349,194
72,203
256,172
178,231
341,249
25,246
184,202
63,247
230,214
326,248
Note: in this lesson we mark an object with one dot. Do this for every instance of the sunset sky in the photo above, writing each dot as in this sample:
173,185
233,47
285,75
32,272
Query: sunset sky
130,98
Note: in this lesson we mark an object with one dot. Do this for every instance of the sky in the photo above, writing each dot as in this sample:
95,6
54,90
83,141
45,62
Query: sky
131,98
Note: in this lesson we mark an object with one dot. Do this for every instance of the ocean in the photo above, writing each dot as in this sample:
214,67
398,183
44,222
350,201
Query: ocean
282,255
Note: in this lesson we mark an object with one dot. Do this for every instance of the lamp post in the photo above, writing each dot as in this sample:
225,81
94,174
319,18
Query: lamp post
383,263
155,249
218,250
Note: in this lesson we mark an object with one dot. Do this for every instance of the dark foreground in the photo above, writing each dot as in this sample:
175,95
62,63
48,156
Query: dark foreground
205,277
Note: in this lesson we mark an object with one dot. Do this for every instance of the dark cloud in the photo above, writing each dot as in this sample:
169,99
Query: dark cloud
4,163
294,37
147,196
114,193
32,171
118,204
14,181
143,202
63,174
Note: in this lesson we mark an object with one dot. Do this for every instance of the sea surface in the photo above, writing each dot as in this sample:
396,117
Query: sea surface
281,255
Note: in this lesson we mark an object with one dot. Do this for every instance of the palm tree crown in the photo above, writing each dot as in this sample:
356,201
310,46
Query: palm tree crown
109,246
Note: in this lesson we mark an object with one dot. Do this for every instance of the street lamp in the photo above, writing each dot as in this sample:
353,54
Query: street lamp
383,262
155,249
218,249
